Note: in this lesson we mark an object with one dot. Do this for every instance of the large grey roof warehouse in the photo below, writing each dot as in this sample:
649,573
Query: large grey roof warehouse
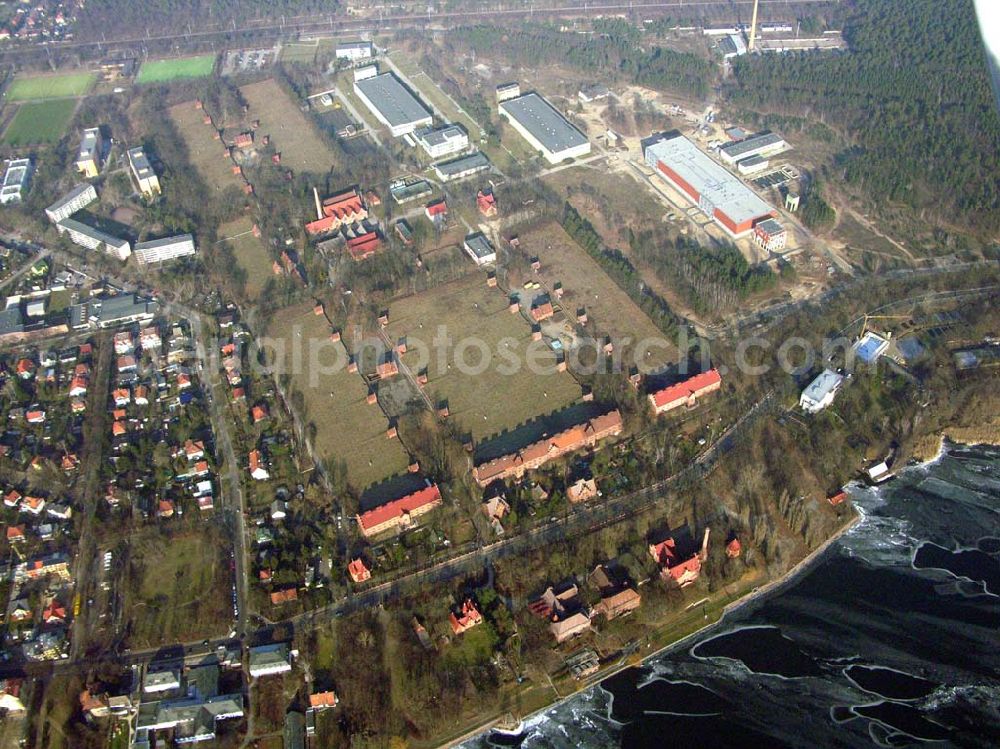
393,103
544,127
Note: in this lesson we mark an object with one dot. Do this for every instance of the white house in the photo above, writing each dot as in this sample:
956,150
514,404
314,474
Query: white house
820,392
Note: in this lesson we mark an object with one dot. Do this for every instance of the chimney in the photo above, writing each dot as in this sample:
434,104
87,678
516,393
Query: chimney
704,546
319,207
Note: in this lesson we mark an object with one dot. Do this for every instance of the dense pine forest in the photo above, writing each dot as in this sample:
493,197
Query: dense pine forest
130,18
614,51
913,95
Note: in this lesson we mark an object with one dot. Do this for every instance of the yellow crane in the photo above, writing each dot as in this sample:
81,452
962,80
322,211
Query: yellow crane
753,27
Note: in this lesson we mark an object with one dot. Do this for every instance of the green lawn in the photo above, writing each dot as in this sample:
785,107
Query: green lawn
159,71
39,122
56,86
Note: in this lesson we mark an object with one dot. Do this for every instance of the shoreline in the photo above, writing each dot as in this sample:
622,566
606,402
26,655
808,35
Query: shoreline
794,572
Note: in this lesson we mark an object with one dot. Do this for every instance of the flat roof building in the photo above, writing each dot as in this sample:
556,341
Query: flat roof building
752,165
438,142
820,392
354,51
393,104
15,180
161,681
164,249
270,659
88,158
762,144
717,192
463,166
508,91
545,128
87,236
76,199
770,235
142,171
478,247
110,311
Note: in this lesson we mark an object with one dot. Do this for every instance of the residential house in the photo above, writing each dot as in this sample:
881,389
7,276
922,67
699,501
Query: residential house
674,566
399,513
487,203
287,595
257,470
581,490
517,463
358,571
465,617
686,393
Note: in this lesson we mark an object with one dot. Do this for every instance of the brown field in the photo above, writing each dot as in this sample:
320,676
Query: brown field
179,587
294,134
586,285
206,153
347,428
250,253
493,401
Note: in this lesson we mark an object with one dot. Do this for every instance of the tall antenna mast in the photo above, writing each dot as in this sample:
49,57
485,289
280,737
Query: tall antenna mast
753,26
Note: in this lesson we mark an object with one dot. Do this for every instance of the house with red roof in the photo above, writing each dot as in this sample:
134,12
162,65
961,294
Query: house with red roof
685,393
78,387
837,498
165,509
344,209
55,613
15,533
683,570
465,617
517,463
734,548
542,311
487,203
33,505
436,210
287,595
322,700
121,397
358,571
401,513
12,498
258,413
25,369
35,416
363,246
257,470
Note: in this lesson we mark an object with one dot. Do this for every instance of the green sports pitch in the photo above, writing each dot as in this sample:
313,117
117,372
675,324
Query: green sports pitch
39,122
61,85
159,71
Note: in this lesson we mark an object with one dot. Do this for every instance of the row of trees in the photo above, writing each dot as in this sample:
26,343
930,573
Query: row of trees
620,269
913,95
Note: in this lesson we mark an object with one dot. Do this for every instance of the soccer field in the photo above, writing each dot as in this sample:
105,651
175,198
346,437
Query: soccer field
24,88
159,71
39,122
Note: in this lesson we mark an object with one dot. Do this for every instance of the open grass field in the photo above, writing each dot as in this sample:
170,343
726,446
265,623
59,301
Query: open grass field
294,134
205,152
39,122
250,253
587,285
180,587
495,399
347,428
161,71
59,85
301,52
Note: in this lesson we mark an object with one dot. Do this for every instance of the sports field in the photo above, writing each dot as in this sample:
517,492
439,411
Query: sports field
59,85
348,428
487,397
160,71
39,122
293,133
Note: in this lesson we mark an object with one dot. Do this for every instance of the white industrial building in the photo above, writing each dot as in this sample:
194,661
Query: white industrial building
392,104
478,247
508,91
162,250
354,51
752,165
76,199
762,144
545,128
820,392
15,180
91,238
442,141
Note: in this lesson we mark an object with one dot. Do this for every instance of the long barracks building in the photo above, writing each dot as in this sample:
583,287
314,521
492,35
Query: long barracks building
718,193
